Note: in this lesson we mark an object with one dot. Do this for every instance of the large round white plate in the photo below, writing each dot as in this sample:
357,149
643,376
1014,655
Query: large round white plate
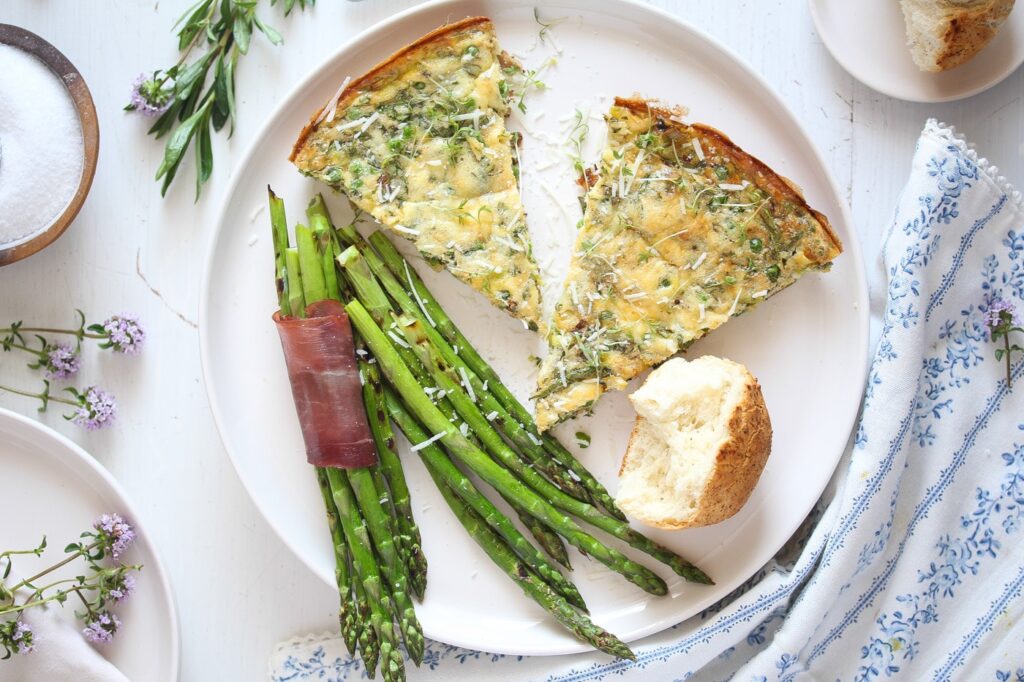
54,488
808,345
868,38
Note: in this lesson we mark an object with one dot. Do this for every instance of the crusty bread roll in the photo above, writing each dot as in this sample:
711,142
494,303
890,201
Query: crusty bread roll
943,34
701,439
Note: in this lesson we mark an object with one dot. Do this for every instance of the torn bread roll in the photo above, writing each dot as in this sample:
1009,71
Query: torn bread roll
701,439
943,34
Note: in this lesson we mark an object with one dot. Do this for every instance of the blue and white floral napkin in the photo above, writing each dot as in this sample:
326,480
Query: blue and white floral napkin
913,563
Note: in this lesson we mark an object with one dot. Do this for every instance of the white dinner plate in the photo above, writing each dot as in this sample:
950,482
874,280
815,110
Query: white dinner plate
868,38
807,345
56,489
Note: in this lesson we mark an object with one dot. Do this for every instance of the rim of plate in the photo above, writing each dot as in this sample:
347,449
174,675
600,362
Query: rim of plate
880,86
851,249
98,470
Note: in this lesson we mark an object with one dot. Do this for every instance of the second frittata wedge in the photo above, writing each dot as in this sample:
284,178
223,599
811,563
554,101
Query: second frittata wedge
682,230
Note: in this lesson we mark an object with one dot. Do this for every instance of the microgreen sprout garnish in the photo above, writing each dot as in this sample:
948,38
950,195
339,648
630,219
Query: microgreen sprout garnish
104,583
577,137
1001,319
520,81
545,26
582,440
180,97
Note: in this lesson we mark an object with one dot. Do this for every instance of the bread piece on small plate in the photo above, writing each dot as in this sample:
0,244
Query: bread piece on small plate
701,439
943,34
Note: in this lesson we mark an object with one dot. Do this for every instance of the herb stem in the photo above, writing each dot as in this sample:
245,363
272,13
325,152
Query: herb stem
43,600
39,396
67,560
18,346
1009,374
78,333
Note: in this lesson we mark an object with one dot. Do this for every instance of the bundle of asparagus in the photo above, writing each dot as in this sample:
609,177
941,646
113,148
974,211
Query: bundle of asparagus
454,408
378,559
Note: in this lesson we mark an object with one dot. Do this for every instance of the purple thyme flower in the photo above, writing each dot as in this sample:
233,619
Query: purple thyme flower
993,318
23,637
117,534
124,589
125,334
102,628
61,361
96,410
149,96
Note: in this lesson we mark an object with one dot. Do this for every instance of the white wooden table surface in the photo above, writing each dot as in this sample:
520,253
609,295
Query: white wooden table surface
238,588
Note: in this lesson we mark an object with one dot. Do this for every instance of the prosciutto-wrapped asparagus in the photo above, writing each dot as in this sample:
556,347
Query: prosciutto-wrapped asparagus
321,359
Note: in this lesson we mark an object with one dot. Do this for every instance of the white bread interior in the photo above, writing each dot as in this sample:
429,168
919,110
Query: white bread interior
701,439
943,34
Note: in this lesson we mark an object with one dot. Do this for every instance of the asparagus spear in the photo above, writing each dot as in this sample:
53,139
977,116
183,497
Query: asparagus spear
279,227
503,481
353,610
365,564
347,617
549,540
406,532
296,302
376,301
401,269
369,645
533,586
362,265
315,288
393,570
500,553
445,377
377,641
391,467
439,464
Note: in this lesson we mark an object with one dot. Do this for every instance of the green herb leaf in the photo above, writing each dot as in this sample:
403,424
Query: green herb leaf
221,105
197,20
272,35
230,80
204,154
176,147
582,440
242,30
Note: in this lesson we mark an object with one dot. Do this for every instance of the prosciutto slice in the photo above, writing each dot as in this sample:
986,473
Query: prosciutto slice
321,359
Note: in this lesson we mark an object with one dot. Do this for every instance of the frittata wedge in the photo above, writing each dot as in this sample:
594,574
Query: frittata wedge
420,144
682,230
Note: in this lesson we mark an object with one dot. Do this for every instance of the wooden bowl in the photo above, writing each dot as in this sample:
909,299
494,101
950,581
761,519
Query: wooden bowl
79,91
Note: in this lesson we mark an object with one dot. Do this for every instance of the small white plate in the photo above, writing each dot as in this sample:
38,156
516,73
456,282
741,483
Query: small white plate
808,346
868,38
53,487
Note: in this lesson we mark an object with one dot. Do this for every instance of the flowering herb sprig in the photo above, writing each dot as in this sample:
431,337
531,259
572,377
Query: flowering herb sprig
60,360
94,408
105,583
1001,319
181,97
120,333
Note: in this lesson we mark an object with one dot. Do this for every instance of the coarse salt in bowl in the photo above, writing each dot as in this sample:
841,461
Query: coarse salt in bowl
49,142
